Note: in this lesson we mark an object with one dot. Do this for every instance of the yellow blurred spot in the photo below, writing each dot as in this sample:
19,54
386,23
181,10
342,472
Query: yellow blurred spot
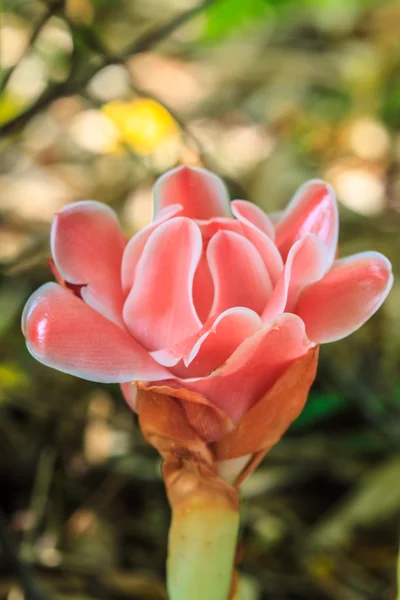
143,124
369,139
80,12
322,567
11,377
10,106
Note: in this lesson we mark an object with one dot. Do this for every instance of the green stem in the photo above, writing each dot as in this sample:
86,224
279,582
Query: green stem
202,546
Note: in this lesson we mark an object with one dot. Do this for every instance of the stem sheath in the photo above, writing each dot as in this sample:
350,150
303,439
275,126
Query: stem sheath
202,546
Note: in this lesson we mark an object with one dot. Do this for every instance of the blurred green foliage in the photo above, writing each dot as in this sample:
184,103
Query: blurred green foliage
227,16
319,407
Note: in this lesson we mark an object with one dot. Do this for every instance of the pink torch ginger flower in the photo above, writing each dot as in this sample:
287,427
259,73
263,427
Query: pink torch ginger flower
211,303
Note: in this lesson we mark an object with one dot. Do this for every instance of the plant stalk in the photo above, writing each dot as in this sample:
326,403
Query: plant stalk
205,507
202,547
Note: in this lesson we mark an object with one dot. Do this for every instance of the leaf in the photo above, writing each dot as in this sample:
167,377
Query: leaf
227,16
230,16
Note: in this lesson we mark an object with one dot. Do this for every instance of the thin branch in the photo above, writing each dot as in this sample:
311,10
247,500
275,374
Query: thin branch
40,494
71,86
96,44
41,103
67,87
52,9
148,40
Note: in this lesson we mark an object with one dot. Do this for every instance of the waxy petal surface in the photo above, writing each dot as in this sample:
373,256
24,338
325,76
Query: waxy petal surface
87,246
312,210
306,263
260,232
212,345
203,288
159,311
346,297
222,338
247,212
202,194
136,244
254,367
239,274
65,333
212,226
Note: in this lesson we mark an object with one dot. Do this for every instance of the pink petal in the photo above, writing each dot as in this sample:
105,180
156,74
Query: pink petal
75,289
258,231
239,274
346,297
159,310
250,213
65,333
129,392
217,344
203,288
212,226
212,345
87,246
306,263
202,194
136,244
254,366
312,210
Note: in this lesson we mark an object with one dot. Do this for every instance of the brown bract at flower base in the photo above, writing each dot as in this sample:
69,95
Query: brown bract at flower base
178,422
190,463
189,468
263,425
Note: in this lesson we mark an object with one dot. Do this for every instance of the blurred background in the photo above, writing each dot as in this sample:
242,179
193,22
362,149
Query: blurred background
99,97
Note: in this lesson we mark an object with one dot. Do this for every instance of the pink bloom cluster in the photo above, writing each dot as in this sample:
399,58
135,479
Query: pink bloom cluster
212,296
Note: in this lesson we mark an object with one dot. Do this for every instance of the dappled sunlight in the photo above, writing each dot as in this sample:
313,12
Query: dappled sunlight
143,124
358,188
